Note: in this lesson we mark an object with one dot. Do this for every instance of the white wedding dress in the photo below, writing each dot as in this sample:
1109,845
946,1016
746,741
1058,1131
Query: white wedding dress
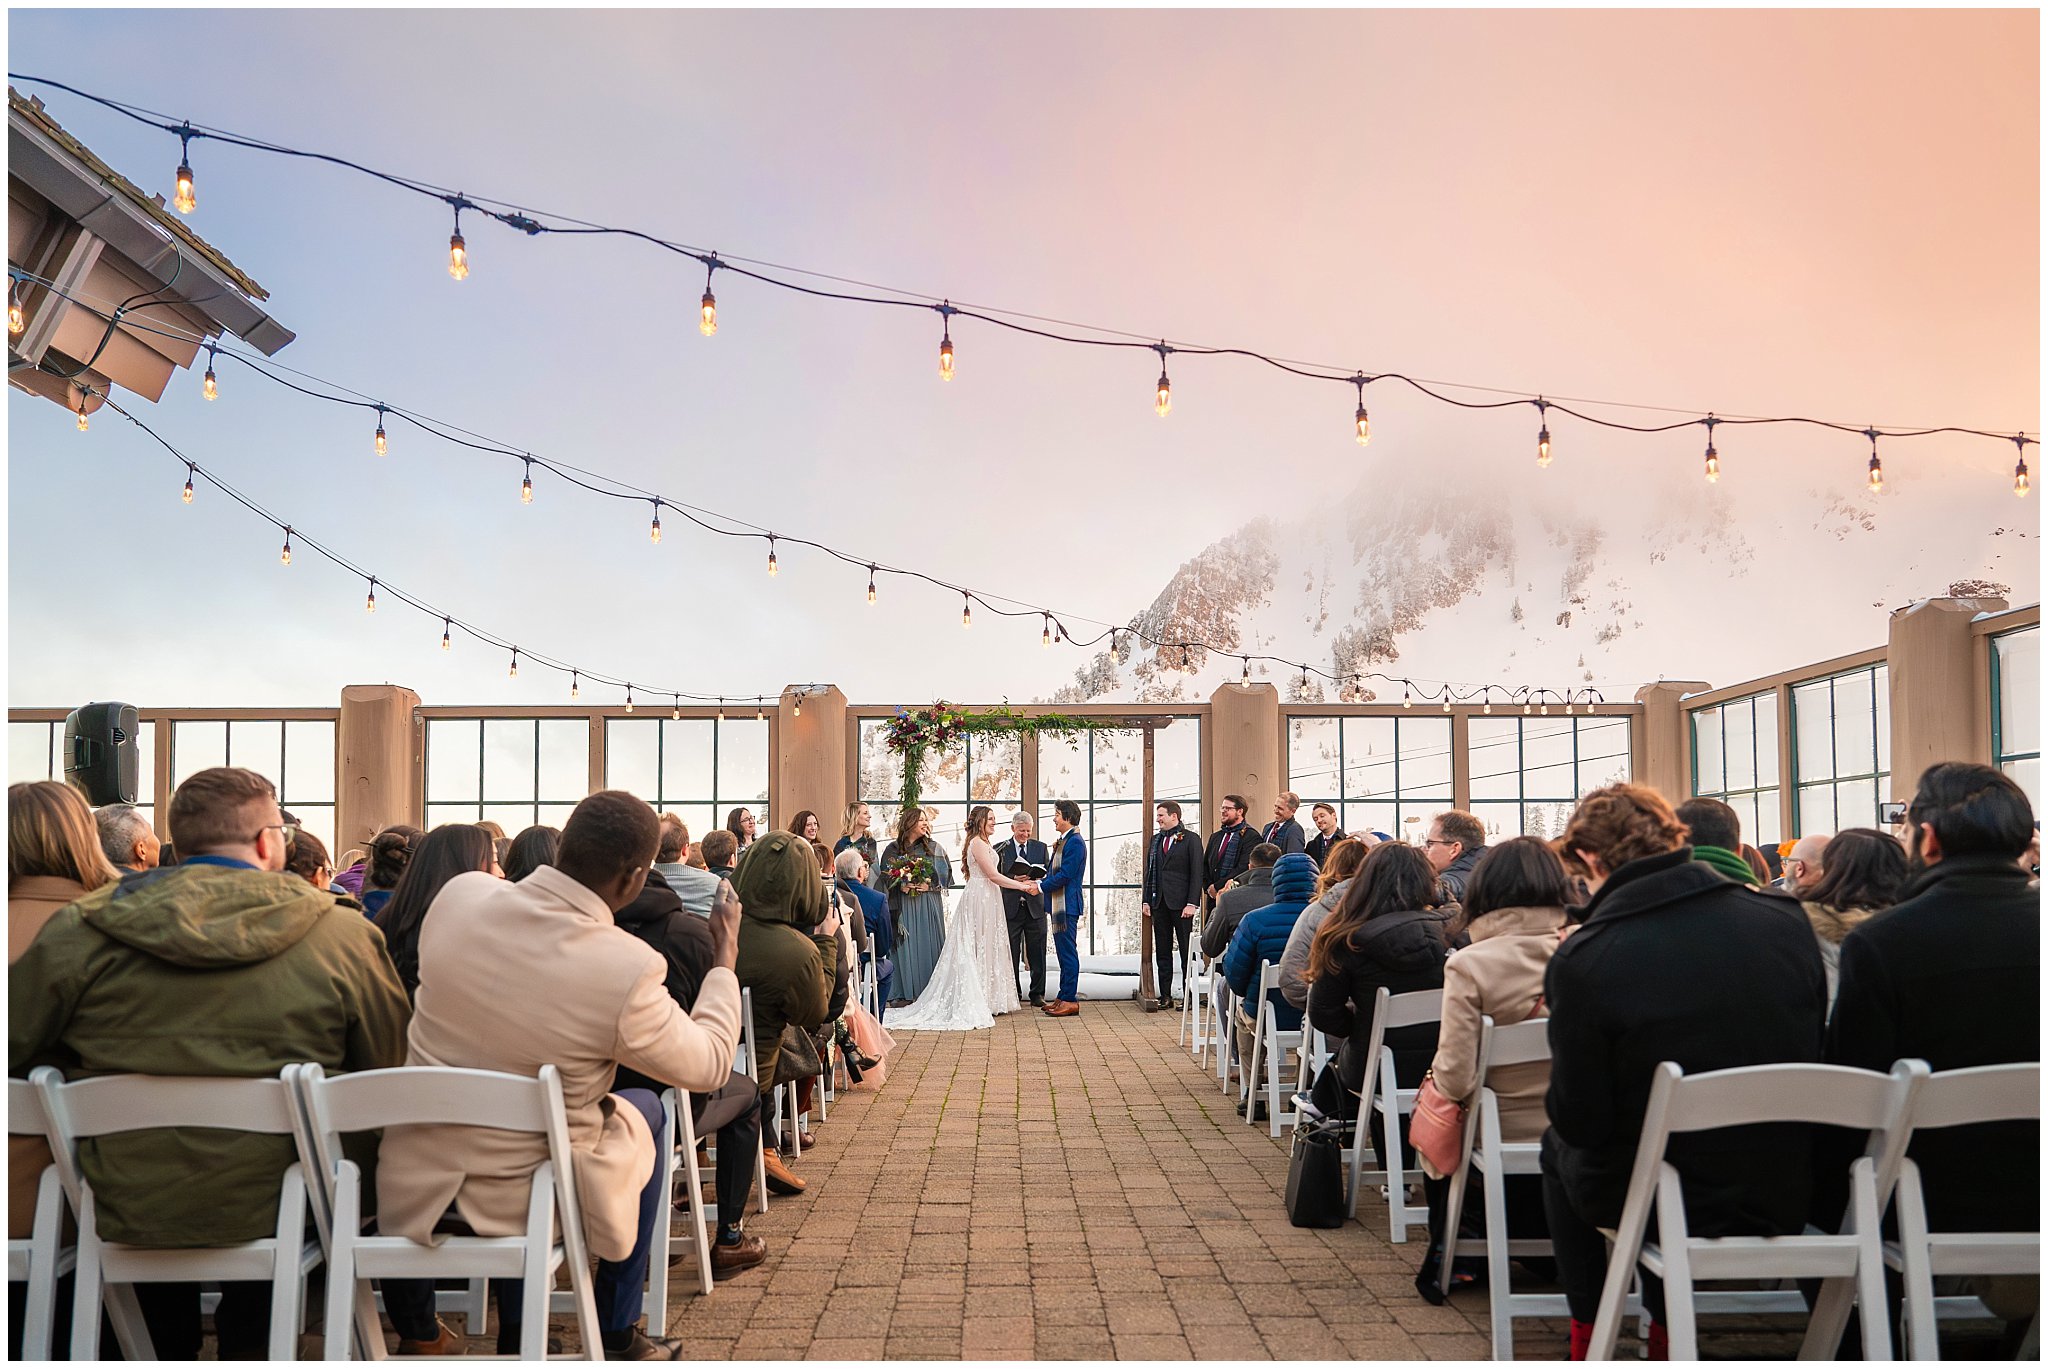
975,980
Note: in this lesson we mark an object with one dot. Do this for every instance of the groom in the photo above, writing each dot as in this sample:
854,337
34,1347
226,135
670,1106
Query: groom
1061,888
1022,858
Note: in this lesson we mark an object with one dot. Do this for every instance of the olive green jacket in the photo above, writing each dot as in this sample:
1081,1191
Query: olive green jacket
789,970
201,970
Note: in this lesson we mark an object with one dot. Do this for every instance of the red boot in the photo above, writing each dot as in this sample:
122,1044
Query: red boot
1660,1341
1582,1338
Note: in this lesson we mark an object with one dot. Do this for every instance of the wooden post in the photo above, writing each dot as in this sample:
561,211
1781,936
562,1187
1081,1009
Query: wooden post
1148,990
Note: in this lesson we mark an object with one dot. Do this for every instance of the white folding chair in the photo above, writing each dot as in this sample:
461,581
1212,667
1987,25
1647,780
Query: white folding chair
1271,1044
1955,1098
679,1162
1851,1264
749,1064
1382,1097
422,1096
1222,1000
43,1258
1193,993
116,1104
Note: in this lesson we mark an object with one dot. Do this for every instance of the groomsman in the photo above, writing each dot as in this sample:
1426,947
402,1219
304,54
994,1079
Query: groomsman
1064,900
1022,858
1328,833
1283,831
1229,853
1173,886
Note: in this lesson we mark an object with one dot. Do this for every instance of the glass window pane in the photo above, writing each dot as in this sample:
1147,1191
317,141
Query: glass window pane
1764,823
1547,741
257,745
2019,692
1551,782
997,765
2027,775
564,758
197,746
513,817
1370,816
1855,725
452,773
686,760
555,814
1856,803
629,755
1501,820
1739,731
1816,811
1063,768
1177,760
1546,820
1883,687
309,762
699,818
743,764
1368,758
881,770
1708,776
1766,725
438,813
318,819
1496,758
1604,756
1119,765
1425,747
1312,758
30,756
145,770
510,767
1813,730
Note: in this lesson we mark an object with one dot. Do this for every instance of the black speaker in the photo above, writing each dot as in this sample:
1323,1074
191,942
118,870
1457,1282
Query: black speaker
101,755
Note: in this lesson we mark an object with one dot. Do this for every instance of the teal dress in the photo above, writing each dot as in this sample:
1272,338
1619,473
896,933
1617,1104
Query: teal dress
920,918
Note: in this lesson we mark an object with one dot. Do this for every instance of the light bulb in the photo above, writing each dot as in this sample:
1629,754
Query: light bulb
707,313
1407,700
772,567
208,387
1487,707
575,684
1876,472
675,712
871,584
2020,485
1567,708
796,707
1163,404
185,199
188,485
382,447
284,558
83,422
17,321
654,528
1246,677
946,357
370,604
1543,709
966,612
447,626
1364,426
458,257
513,673
1543,446
1713,463
1045,633
526,485
760,713
1525,708
629,698
1447,700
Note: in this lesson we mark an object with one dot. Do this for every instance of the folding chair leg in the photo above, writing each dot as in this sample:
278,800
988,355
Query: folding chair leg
1499,1290
1921,1340
700,1244
284,1273
85,1299
1680,1321
1454,1212
761,1173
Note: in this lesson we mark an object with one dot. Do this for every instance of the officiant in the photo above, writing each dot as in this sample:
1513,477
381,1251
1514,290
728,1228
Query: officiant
1023,858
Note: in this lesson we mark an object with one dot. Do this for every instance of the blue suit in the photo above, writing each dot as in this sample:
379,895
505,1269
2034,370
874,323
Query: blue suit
1065,879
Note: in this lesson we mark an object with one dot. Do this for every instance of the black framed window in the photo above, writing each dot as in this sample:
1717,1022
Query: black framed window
1735,760
697,768
985,768
1383,774
1104,772
516,772
1529,772
35,752
296,756
1841,750
2016,709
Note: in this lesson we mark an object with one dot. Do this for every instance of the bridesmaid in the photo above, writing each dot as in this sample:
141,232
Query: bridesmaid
853,832
917,909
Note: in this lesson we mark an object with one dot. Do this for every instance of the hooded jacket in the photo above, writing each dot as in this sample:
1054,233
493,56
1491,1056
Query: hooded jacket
275,970
1262,934
790,971
657,916
1402,952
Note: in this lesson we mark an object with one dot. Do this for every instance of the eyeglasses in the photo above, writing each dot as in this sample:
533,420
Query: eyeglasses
1437,841
287,830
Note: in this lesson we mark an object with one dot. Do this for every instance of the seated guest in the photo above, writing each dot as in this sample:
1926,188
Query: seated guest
721,853
1667,945
1336,876
453,848
352,866
1253,889
531,849
695,858
1859,874
277,971
390,849
842,980
1804,867
788,946
1454,845
1385,933
1952,975
127,838
497,836
1513,913
853,871
740,822
695,886
1328,833
1715,832
1261,935
605,1004
732,1111
306,857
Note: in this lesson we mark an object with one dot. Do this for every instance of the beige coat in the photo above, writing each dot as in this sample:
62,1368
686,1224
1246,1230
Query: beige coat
32,900
516,976
1500,975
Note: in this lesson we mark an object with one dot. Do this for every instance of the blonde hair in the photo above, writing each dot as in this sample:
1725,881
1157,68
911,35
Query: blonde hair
1340,863
50,831
852,812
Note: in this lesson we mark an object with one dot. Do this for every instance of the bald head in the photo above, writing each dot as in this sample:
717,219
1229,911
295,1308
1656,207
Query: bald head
1802,864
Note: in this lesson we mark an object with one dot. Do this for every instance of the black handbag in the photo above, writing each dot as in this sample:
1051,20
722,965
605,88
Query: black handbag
1315,1175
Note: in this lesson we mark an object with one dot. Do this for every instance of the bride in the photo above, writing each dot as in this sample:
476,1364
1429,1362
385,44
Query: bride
975,980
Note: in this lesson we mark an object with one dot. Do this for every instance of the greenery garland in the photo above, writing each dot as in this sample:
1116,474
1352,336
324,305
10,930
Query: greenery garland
912,734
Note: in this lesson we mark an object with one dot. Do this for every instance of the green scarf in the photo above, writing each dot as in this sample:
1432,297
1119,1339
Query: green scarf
1727,862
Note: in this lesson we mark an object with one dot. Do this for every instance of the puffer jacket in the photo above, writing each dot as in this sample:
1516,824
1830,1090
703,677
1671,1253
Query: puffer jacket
790,972
1262,935
276,970
1401,952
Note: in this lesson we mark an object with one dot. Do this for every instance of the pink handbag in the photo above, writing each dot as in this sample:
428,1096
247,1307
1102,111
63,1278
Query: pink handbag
1437,1128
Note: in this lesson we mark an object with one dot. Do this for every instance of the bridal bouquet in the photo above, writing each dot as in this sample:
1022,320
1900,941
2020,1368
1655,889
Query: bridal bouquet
911,874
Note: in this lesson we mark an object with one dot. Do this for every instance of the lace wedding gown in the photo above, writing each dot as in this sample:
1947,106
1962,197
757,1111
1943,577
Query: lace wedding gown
974,981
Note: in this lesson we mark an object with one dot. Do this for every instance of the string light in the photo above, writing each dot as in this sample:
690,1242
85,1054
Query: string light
1876,466
190,470
721,710
773,569
184,198
796,704
1407,700
458,251
447,627
1713,457
1364,423
1045,633
514,671
1163,400
381,446
284,558
966,610
871,582
707,308
1246,677
1486,698
575,684
760,713
946,341
526,485
370,604
654,528
17,321
675,711
1543,434
1447,698
2020,484
629,698
83,422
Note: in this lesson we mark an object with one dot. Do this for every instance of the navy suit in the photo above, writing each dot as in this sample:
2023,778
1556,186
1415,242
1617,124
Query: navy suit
1287,835
1026,912
1065,880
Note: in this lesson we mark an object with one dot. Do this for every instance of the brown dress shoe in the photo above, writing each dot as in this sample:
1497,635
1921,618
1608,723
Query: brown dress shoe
781,1178
445,1342
710,1196
1063,1008
637,1344
728,1260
